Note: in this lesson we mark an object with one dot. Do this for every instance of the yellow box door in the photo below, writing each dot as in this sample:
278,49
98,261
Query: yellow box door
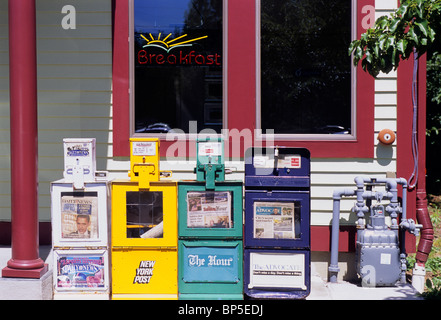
144,217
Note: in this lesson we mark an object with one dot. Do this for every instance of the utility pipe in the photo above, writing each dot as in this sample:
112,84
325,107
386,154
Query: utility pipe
25,261
333,267
422,213
419,152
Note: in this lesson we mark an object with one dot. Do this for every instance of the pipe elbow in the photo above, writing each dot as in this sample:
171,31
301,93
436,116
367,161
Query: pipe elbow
402,181
339,193
360,180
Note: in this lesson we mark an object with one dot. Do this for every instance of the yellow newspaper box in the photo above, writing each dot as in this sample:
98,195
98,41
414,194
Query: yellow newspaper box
144,228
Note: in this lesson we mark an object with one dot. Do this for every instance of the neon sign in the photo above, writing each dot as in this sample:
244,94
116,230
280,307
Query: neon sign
146,56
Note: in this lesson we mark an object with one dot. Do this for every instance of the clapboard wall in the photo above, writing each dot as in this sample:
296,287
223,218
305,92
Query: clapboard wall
75,100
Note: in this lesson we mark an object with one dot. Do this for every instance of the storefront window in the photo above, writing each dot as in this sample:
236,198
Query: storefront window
305,67
177,65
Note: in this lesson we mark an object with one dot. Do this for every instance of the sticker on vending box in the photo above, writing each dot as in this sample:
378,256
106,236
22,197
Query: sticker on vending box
277,270
144,148
80,272
210,149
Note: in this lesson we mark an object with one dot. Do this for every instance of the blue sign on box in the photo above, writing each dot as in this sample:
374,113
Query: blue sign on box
211,264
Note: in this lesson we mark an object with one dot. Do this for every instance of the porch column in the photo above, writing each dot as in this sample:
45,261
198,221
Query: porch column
25,261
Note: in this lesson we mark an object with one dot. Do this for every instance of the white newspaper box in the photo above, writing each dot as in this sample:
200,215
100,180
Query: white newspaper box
80,209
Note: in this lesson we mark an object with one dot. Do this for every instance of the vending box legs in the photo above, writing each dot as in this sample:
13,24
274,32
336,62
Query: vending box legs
210,270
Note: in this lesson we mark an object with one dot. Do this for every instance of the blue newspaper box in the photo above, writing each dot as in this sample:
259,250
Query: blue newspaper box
277,223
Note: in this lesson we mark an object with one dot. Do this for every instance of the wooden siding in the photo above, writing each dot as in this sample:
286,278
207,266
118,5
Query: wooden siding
74,89
75,100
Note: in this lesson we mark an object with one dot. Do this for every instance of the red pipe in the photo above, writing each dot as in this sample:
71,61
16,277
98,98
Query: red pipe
422,212
25,261
426,233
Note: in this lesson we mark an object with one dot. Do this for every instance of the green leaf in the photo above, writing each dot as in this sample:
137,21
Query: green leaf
401,46
394,25
358,54
432,34
428,284
395,57
368,56
381,22
377,49
402,9
352,46
412,34
382,41
422,24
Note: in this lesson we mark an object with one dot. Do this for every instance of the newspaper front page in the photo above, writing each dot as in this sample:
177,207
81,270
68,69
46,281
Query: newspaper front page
274,220
79,216
210,209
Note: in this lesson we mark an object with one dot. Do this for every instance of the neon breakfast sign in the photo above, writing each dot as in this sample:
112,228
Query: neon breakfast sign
176,58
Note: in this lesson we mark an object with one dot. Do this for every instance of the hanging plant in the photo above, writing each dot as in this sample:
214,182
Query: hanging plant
414,25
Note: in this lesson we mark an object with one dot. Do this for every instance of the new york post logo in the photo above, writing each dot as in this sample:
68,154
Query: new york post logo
174,51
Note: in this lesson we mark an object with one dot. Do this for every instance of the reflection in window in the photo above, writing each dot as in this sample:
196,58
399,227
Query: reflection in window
178,65
305,67
144,214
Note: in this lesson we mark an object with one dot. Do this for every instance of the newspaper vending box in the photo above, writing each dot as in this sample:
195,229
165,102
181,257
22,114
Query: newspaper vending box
277,223
210,229
144,228
80,230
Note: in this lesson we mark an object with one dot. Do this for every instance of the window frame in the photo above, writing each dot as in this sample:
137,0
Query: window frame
241,89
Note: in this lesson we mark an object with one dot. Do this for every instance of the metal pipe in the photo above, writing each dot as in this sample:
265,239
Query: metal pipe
333,267
423,218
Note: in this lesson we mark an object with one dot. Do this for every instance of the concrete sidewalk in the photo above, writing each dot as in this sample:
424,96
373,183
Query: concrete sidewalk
26,289
342,290
34,289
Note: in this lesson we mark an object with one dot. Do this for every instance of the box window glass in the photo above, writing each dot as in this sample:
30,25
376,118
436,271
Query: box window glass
86,272
144,214
276,220
210,209
79,215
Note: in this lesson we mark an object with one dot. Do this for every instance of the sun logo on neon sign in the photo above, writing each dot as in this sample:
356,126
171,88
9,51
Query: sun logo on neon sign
170,44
